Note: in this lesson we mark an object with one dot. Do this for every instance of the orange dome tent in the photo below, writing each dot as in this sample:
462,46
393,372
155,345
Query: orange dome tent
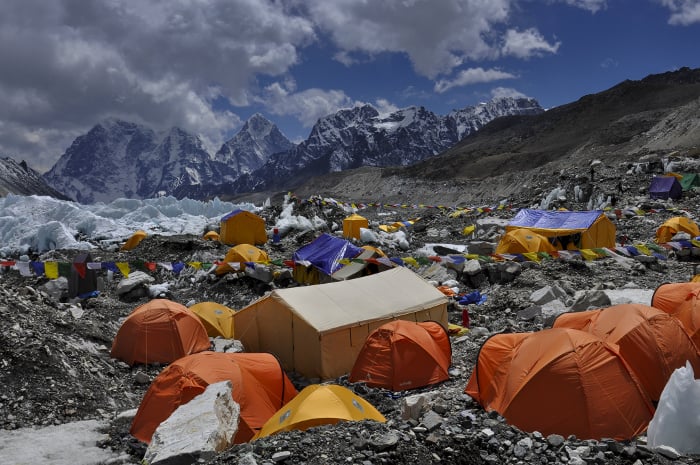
669,296
402,355
240,254
523,241
216,318
560,381
688,314
673,226
260,387
320,404
159,331
652,342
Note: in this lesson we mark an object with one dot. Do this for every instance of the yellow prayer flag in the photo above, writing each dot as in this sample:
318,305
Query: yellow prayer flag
124,268
588,254
532,256
643,249
51,270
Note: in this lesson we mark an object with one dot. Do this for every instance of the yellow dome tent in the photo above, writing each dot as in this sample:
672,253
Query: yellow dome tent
320,404
523,241
674,225
240,254
352,225
216,318
134,240
211,236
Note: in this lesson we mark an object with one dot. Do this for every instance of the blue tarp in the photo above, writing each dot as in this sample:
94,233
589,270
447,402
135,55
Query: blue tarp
665,187
544,219
326,251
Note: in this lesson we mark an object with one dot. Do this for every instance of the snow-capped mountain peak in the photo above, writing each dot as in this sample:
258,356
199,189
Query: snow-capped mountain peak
252,146
121,159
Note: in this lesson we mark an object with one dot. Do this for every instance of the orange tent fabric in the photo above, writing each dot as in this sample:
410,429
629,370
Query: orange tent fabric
402,355
688,314
673,226
260,387
159,331
523,241
560,381
652,342
669,296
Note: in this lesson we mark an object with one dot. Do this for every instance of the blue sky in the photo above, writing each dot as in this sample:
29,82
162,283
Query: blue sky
207,66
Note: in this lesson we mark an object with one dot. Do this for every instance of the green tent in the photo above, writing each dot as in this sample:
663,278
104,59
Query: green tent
690,180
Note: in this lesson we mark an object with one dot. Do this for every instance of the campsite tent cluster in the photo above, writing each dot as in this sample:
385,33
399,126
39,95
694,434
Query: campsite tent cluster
347,327
595,374
549,231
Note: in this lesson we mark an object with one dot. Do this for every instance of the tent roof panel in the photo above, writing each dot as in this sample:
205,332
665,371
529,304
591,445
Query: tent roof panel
332,306
544,219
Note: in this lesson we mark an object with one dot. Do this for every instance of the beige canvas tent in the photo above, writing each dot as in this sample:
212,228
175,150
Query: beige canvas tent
319,330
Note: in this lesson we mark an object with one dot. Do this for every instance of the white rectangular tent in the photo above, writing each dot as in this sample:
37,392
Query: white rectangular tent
319,330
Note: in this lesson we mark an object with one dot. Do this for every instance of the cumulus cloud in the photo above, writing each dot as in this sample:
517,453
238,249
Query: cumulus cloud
527,44
472,76
436,36
67,64
683,12
307,105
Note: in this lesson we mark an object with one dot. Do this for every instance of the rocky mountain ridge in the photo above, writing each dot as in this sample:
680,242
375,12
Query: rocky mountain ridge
122,159
19,178
656,119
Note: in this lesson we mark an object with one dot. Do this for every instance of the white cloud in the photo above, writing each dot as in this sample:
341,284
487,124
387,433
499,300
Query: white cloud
591,5
308,105
527,44
385,107
471,76
436,36
67,64
503,92
683,12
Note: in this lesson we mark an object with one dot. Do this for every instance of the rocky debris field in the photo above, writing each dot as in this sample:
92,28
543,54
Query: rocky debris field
56,368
